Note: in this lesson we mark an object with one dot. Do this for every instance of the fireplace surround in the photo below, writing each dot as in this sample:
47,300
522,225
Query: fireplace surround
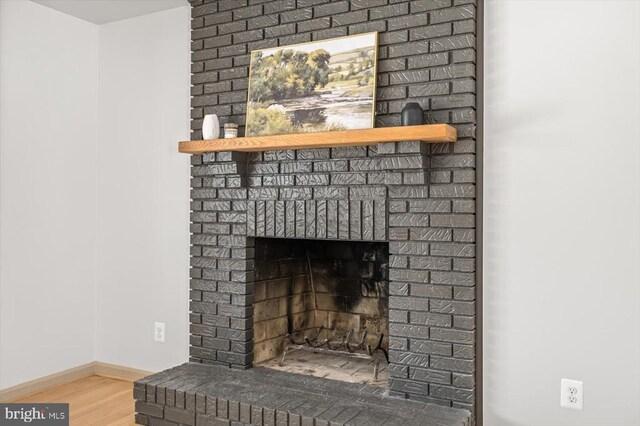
377,194
415,200
267,224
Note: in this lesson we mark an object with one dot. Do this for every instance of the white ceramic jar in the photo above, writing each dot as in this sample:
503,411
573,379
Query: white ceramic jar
210,127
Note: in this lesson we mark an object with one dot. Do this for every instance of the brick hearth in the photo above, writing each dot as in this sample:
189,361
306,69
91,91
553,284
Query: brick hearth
197,394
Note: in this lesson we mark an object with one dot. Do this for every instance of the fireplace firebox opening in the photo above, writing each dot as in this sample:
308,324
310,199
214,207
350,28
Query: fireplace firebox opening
321,308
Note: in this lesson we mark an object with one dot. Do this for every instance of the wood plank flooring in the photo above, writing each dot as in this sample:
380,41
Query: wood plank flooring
92,400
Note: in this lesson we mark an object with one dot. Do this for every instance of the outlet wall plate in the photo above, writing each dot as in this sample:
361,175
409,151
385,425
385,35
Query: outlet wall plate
571,394
158,332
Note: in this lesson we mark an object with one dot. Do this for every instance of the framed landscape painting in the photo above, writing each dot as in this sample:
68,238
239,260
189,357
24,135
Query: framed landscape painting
312,87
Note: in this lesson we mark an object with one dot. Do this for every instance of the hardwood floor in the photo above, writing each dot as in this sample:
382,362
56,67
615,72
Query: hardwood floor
93,400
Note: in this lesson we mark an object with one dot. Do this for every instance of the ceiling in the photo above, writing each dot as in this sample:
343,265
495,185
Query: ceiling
103,11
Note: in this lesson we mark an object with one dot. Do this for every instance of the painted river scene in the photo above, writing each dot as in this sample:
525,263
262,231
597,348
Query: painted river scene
319,86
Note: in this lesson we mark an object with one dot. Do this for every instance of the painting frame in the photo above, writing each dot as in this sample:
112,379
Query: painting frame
300,128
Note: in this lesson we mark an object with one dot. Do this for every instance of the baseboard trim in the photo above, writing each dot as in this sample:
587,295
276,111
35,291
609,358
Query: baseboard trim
36,385
119,372
94,368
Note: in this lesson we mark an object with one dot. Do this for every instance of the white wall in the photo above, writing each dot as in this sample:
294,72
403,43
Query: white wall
48,66
562,209
94,197
143,190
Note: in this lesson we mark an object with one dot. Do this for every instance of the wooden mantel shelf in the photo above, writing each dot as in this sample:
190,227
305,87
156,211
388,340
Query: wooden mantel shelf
430,133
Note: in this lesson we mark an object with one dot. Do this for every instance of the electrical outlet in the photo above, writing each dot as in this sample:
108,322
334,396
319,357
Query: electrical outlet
571,394
158,332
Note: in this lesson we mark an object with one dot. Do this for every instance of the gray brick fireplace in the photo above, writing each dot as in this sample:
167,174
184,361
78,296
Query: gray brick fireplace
417,201
377,193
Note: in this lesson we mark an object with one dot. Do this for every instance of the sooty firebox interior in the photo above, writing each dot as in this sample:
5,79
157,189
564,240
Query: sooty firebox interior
321,308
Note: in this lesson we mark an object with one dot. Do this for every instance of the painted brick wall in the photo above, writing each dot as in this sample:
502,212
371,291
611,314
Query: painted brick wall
427,54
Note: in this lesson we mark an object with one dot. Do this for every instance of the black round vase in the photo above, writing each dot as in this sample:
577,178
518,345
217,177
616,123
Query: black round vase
412,114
